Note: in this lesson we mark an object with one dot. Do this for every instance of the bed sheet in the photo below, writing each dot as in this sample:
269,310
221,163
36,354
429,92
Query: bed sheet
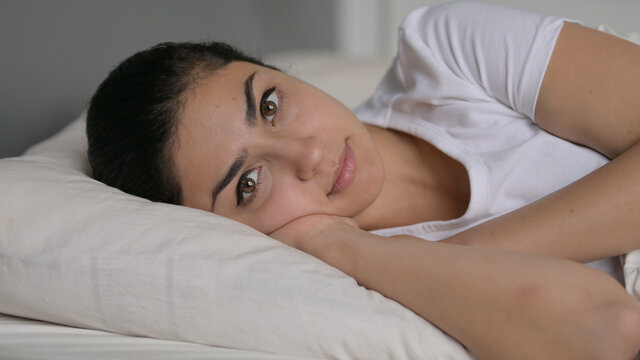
24,339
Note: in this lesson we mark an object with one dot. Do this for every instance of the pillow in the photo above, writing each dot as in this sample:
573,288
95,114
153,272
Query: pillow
74,251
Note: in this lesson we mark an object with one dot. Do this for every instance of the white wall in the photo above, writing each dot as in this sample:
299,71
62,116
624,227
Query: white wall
367,28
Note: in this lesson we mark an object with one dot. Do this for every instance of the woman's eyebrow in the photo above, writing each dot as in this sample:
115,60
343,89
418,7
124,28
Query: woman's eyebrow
231,173
250,99
250,116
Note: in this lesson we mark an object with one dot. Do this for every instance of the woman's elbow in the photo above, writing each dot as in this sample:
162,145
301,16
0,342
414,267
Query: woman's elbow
593,319
620,329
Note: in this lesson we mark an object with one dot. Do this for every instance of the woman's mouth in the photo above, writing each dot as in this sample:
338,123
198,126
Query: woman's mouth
345,171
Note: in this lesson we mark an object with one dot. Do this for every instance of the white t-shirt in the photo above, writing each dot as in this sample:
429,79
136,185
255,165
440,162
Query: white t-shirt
466,79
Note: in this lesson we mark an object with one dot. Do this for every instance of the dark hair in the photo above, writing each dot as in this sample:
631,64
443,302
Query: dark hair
133,116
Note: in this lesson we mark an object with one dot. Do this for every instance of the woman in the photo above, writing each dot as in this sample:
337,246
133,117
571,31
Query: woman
484,110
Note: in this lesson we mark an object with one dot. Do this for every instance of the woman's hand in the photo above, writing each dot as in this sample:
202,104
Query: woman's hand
326,237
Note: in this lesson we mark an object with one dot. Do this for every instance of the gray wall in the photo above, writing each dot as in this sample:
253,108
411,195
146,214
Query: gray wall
55,53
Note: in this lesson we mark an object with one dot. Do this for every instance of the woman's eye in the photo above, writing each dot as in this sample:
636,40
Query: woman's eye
247,186
269,104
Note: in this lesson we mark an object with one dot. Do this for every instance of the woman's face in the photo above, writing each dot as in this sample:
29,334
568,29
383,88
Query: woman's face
264,148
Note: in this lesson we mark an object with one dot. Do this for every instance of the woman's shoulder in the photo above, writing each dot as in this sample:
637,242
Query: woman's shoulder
468,19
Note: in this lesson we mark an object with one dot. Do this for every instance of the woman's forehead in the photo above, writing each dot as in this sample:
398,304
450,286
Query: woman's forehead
218,85
215,98
212,122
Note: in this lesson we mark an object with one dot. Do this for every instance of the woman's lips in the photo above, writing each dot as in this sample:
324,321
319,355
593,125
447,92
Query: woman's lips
345,172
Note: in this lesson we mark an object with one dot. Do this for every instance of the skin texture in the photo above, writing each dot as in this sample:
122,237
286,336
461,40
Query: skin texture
500,303
298,151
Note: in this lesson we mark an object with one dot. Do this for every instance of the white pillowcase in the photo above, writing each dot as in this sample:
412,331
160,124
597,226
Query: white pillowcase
74,251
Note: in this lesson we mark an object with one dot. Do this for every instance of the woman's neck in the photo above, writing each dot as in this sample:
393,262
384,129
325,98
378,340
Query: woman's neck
421,183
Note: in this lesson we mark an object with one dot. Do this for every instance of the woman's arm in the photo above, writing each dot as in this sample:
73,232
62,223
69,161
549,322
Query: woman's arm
590,95
501,305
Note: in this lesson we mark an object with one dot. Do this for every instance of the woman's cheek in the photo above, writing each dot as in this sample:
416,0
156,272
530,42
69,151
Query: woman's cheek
284,206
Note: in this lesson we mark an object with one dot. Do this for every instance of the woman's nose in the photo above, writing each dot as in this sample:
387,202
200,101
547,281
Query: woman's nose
303,154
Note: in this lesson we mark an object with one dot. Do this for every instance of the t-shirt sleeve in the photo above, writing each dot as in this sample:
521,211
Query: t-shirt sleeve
475,52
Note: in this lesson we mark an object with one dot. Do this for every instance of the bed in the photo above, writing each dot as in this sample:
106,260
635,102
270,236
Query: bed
25,339
108,275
